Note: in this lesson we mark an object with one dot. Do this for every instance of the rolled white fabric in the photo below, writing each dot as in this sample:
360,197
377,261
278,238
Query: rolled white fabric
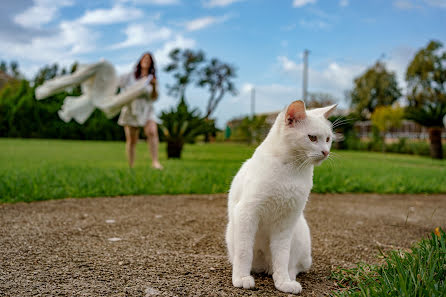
99,84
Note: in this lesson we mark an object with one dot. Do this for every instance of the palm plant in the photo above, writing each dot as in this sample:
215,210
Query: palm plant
179,126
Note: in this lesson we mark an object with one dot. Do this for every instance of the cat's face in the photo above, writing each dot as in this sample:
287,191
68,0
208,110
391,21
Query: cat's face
308,133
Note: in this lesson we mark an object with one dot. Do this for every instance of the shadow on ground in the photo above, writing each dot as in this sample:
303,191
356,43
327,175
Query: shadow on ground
174,245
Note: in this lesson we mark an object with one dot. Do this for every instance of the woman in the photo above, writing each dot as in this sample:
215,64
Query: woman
140,112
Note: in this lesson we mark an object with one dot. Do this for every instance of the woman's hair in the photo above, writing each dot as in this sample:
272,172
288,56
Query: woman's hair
151,68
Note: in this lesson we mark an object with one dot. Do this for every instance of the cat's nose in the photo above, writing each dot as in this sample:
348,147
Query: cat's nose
325,153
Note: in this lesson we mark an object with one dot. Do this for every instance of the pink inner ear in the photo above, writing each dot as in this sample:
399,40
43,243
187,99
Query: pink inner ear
295,112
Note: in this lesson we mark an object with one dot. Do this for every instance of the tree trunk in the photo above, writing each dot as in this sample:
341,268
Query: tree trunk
435,139
174,148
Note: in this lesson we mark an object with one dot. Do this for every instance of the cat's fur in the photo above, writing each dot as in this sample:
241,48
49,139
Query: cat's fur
267,231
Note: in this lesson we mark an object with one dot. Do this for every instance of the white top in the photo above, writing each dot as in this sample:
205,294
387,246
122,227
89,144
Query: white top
139,111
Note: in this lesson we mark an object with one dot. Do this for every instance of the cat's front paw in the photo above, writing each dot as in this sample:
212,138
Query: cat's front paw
289,287
246,282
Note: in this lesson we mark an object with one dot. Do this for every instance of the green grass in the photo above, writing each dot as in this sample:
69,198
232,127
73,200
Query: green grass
33,169
420,272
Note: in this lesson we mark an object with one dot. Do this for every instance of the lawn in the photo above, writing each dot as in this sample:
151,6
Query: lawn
33,169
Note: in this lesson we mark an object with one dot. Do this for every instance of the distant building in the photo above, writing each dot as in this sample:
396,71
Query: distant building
408,129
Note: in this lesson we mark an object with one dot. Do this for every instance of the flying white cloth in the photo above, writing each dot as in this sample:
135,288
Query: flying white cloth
99,84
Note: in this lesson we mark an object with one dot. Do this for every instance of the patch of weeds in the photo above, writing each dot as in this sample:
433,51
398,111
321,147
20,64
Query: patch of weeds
419,272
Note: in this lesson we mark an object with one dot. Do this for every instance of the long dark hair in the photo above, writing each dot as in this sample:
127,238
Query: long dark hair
152,70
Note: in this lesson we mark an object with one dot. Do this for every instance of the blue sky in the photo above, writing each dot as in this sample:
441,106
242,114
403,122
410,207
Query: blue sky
264,39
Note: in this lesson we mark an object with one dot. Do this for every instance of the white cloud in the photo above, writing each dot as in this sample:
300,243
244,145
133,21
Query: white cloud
116,14
143,34
343,3
201,23
405,4
418,4
219,3
300,3
268,98
42,12
399,59
70,40
162,54
436,3
334,78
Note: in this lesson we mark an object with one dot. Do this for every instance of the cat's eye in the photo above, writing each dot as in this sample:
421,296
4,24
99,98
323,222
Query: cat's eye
328,139
312,138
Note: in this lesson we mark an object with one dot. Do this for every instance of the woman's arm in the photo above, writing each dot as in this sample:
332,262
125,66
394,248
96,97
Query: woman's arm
154,89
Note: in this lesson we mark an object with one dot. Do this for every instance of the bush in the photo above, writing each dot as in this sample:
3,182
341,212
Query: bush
180,126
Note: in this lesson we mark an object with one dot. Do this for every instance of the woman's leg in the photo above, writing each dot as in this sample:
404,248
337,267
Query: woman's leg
151,131
131,139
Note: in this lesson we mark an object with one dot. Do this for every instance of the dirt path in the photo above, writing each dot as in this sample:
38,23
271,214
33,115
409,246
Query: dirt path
174,245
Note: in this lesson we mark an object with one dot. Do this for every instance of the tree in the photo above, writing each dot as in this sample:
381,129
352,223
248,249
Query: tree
184,65
217,78
46,73
14,67
317,100
386,117
426,83
376,87
3,66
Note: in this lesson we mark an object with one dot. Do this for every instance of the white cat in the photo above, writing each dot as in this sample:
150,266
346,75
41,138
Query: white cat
267,231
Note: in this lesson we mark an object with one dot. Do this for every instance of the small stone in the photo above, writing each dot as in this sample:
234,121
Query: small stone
114,239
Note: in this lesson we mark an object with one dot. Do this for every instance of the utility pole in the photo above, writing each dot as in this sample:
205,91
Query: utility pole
253,101
305,77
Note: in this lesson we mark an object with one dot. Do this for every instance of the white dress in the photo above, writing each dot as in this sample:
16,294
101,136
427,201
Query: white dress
139,111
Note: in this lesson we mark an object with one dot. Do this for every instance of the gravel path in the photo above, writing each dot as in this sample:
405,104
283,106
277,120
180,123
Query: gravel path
174,245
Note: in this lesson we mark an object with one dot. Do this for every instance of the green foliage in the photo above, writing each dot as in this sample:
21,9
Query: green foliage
420,272
217,78
32,169
376,87
386,117
184,65
253,129
426,77
181,125
320,99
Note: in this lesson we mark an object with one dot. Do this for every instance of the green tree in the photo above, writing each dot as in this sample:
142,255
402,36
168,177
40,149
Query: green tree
46,73
3,66
426,84
14,67
386,117
320,99
217,77
184,65
376,87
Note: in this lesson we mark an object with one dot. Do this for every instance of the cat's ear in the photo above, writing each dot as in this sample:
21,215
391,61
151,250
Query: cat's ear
295,112
326,111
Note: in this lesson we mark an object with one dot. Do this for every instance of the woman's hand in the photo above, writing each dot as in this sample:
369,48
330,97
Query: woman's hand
154,89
